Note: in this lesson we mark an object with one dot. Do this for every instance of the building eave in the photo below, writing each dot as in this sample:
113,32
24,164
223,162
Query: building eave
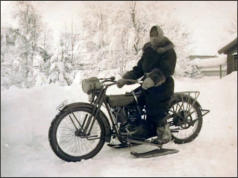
228,47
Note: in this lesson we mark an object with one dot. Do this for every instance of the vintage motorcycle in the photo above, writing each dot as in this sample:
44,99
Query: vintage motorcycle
80,130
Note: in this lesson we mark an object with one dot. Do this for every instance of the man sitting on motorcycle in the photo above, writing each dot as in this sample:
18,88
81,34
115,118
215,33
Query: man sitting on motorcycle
157,65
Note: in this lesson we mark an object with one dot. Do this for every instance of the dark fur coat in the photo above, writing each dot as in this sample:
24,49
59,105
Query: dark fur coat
156,66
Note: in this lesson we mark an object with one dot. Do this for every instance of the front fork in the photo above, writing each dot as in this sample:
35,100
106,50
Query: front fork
84,129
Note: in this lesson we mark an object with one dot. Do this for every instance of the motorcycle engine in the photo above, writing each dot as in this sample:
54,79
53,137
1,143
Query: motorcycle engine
128,114
133,114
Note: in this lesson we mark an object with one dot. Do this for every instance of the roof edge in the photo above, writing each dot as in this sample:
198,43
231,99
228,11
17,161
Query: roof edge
228,46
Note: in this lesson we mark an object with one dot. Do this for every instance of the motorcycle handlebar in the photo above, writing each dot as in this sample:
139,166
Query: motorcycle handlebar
109,78
132,81
112,79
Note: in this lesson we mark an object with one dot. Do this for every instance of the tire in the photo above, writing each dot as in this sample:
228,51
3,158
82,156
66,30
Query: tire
57,148
199,120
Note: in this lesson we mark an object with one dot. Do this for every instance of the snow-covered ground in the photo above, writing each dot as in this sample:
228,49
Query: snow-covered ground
26,115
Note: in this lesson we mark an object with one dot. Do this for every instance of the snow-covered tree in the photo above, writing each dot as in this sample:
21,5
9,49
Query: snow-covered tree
109,35
24,48
29,28
126,30
13,68
63,62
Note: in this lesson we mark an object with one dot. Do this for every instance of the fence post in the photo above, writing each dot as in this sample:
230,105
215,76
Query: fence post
220,71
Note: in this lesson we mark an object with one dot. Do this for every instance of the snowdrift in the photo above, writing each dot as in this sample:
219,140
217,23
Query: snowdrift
26,115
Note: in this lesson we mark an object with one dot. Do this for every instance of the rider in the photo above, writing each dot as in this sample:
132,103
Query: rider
157,65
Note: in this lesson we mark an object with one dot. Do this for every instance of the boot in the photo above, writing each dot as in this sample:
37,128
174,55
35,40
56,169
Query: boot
131,127
141,132
164,134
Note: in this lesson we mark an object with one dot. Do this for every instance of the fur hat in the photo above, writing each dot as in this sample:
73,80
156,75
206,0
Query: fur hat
156,31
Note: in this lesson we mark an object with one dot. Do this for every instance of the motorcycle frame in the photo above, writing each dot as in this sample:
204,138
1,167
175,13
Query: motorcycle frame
101,96
98,103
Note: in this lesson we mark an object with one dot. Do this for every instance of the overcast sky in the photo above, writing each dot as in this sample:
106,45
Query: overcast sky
206,19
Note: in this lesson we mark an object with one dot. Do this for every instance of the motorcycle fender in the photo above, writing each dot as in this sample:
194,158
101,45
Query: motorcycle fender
176,95
101,114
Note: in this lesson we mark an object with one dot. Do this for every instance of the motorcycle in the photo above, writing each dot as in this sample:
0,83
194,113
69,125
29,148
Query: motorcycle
80,129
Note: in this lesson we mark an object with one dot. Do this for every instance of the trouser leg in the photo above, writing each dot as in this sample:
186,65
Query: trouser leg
157,101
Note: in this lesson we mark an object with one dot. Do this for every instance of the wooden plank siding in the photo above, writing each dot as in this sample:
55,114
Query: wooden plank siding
231,63
231,51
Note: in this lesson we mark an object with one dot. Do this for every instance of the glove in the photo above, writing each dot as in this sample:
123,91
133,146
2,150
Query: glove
157,76
148,83
121,82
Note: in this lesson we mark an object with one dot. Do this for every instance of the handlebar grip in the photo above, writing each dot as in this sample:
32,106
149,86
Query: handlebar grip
112,78
108,79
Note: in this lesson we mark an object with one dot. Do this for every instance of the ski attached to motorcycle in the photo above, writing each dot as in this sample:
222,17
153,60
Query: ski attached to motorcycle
151,153
118,146
121,145
154,153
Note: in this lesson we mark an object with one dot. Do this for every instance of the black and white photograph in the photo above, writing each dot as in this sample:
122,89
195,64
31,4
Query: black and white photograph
119,88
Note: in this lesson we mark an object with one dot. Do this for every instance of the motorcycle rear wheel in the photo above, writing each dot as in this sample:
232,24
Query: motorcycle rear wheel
185,119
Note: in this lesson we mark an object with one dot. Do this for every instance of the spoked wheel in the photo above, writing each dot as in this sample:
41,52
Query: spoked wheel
185,119
68,138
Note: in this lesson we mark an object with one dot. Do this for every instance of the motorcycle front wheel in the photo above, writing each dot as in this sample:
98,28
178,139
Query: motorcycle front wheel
67,138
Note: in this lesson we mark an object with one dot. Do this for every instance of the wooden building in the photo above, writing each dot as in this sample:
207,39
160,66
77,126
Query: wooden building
231,51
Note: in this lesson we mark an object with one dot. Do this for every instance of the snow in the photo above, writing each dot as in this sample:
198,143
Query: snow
26,115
